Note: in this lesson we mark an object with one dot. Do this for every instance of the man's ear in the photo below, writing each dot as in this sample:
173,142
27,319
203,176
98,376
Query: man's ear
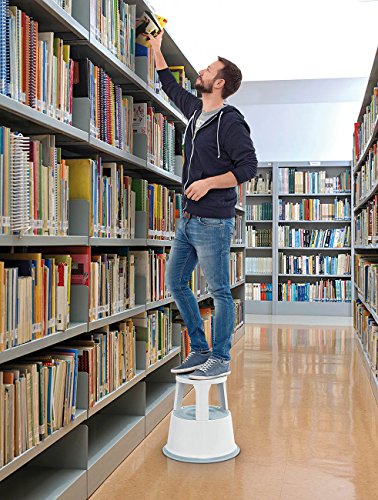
219,83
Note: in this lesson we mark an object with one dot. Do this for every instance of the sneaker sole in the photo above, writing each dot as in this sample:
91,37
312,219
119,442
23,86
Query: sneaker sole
186,370
203,377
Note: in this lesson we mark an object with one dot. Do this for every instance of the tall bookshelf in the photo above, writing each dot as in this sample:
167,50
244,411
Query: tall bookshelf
365,310
75,459
280,307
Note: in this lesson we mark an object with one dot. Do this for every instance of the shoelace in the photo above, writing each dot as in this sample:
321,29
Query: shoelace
209,363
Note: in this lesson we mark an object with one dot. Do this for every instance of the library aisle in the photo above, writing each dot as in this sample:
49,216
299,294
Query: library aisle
304,416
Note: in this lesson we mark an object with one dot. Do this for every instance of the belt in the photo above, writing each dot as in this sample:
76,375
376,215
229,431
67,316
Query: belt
187,215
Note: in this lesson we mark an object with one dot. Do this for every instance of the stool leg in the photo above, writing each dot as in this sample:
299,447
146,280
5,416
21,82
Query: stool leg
222,395
202,401
178,395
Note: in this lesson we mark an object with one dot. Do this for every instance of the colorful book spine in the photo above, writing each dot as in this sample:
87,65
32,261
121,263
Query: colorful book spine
363,130
319,291
259,291
314,209
366,224
294,181
314,264
367,331
313,238
237,237
155,329
367,177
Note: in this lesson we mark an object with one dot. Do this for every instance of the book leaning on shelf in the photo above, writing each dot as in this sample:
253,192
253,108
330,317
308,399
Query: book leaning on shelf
314,238
258,237
237,237
37,397
261,184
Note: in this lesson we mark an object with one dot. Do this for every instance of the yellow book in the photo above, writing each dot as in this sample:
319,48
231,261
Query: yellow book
151,24
81,185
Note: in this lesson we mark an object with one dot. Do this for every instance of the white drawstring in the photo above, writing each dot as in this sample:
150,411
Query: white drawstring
219,119
186,128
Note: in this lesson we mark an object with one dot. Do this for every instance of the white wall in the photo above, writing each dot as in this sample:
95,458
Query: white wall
302,120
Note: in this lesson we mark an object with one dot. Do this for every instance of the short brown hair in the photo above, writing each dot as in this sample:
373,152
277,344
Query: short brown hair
232,76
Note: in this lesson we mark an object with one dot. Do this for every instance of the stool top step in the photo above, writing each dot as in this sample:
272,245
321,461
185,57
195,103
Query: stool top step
184,379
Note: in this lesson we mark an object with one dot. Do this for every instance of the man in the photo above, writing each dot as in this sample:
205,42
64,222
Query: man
219,155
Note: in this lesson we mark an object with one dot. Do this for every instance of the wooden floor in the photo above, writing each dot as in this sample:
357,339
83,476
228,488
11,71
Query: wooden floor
304,416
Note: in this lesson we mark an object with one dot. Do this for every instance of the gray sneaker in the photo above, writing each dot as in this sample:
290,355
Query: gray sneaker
213,368
193,361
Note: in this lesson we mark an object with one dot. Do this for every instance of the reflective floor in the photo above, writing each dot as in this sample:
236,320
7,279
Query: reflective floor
304,416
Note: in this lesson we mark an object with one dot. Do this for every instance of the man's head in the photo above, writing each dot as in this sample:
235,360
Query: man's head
221,76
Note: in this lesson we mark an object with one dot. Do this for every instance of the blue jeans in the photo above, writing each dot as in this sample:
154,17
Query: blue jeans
207,241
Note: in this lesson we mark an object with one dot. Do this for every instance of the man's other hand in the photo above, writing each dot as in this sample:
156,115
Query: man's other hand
198,189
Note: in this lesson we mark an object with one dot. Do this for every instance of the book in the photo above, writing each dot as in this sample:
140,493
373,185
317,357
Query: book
330,290
148,23
258,265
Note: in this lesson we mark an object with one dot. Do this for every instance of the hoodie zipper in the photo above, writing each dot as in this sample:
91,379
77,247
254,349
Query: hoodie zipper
191,156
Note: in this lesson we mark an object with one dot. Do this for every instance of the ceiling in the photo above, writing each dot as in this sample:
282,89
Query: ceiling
277,39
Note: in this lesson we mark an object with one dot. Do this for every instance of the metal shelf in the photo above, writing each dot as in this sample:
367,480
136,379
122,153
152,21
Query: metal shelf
368,307
259,195
314,249
313,195
258,221
313,165
28,455
159,243
258,274
158,303
258,248
115,318
73,330
239,209
239,283
367,247
237,245
19,241
346,276
174,352
331,221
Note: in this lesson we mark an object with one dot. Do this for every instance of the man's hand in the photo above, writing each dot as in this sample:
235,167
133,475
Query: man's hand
198,189
155,42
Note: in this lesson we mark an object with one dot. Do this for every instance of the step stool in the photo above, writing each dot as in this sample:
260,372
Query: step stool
201,433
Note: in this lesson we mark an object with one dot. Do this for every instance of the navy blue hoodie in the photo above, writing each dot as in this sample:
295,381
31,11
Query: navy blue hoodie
221,145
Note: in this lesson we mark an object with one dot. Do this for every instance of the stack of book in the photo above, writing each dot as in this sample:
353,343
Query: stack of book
35,296
367,331
110,196
108,356
366,224
366,178
314,238
259,291
37,397
237,237
179,73
34,185
155,329
113,25
160,136
261,184
259,211
112,283
366,278
259,237
319,291
293,181
314,264
157,264
363,131
40,72
111,114
258,265
313,209
236,267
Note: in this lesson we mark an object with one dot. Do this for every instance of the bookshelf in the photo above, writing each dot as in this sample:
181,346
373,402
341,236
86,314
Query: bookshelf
329,263
365,316
75,459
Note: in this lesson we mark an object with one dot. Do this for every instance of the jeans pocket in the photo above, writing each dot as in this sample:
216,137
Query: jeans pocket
209,221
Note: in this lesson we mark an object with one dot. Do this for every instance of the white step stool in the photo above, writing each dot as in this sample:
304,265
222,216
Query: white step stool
201,433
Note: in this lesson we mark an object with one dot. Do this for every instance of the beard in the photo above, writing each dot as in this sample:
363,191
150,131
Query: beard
204,88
